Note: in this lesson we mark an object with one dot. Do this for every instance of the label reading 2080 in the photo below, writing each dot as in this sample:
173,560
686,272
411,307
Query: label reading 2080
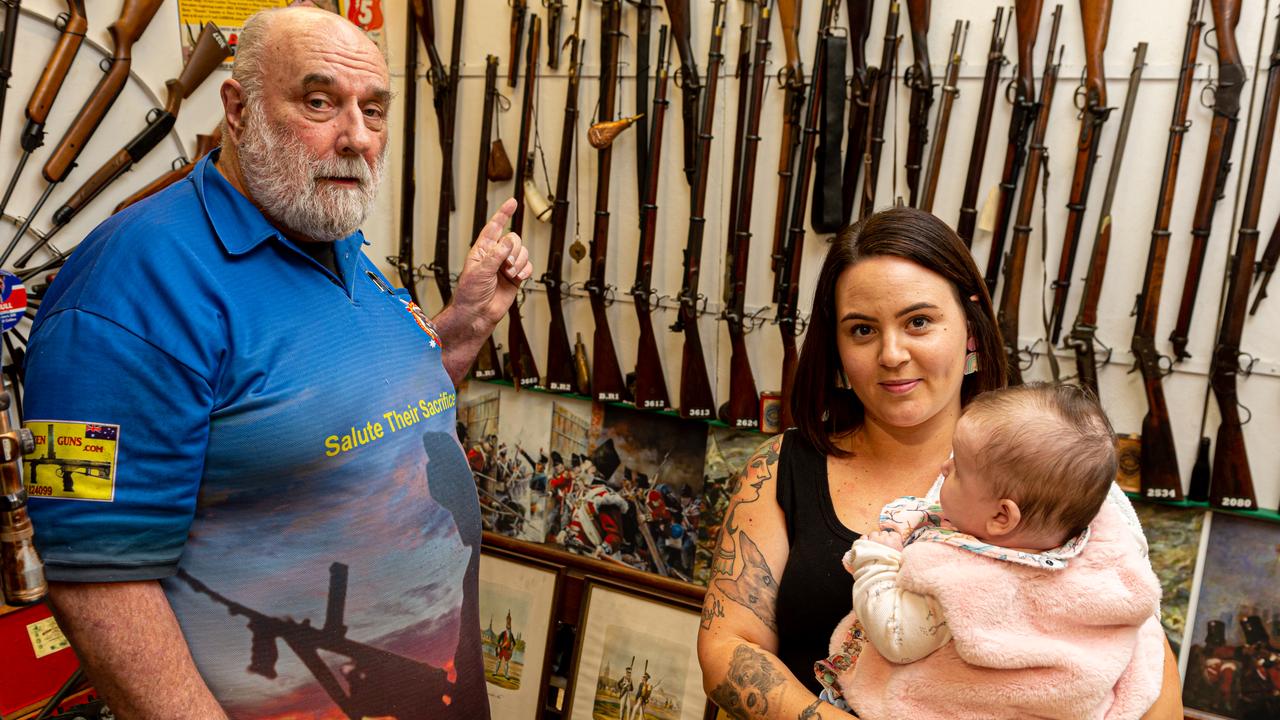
1234,502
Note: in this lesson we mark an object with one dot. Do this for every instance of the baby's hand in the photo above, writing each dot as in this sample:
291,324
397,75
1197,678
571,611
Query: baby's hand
886,538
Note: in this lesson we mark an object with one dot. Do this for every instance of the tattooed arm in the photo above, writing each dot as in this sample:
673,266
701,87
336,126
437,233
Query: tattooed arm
738,639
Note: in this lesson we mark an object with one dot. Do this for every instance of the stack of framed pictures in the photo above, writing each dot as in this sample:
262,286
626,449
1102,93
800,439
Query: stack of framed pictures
635,654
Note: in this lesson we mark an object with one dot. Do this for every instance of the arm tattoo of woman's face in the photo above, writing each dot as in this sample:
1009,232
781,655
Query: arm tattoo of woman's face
744,692
762,465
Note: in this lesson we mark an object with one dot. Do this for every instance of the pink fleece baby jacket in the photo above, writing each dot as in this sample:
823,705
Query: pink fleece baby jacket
1080,642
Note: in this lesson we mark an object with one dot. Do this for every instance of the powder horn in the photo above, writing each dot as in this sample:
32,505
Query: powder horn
601,135
535,202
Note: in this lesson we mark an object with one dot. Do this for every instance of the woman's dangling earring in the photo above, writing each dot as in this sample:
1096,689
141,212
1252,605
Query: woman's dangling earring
971,357
842,380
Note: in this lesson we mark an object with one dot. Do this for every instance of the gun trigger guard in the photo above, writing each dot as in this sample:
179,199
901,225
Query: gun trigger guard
104,64
610,295
802,324
520,295
152,114
1247,412
1210,90
1010,86
177,163
1164,364
1247,369
1107,351
60,22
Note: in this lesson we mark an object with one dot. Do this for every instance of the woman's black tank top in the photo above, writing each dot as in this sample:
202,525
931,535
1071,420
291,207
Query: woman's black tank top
815,592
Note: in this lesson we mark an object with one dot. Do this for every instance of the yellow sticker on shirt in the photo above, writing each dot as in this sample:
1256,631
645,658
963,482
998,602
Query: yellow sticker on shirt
72,460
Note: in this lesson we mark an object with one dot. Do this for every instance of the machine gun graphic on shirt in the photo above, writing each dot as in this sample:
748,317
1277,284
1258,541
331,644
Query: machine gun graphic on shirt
378,683
64,467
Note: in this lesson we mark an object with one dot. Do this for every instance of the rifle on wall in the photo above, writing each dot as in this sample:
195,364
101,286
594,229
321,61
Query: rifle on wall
73,25
204,145
786,287
651,385
606,377
560,375
950,91
791,76
861,84
874,142
524,370
519,8
687,80
405,266
444,87
209,52
743,408
555,11
1011,301
8,39
1096,19
919,77
134,18
696,399
488,365
1160,477
644,9
1020,122
986,105
1231,485
1217,160
1085,327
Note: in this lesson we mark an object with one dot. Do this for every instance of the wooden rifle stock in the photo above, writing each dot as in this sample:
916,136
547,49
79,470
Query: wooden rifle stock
209,52
986,105
1023,117
743,408
1159,458
874,143
651,384
519,8
560,375
204,144
134,18
524,369
1231,485
919,78
73,27
950,91
696,400
488,364
687,80
607,384
1013,269
1217,160
1086,323
861,92
1096,17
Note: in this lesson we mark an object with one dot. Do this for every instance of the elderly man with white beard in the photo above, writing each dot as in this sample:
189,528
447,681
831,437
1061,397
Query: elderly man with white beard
280,522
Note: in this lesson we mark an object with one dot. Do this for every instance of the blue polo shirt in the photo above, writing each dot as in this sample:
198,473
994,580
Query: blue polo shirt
275,443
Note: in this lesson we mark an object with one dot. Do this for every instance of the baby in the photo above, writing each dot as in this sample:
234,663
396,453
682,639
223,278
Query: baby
1023,594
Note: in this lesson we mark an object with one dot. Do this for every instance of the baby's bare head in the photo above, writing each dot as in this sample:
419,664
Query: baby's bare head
1049,448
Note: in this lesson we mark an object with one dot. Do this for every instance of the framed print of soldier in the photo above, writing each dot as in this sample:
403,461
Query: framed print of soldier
519,598
636,657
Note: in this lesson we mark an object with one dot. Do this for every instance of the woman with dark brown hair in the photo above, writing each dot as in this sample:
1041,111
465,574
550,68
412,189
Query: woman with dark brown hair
901,335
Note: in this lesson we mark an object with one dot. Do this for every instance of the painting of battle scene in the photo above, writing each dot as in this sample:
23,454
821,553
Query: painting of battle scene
637,496
1173,536
503,639
509,457
641,677
727,453
1233,668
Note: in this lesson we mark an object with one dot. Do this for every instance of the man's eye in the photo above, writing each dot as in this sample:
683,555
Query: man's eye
373,112
317,103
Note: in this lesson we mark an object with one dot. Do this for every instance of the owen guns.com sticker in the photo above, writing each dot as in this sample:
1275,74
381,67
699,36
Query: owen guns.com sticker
72,460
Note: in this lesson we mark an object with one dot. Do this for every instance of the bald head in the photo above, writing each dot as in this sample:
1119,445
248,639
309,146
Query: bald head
277,32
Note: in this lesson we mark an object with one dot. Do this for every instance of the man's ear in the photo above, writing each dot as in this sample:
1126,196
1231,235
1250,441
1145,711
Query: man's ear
233,108
1006,519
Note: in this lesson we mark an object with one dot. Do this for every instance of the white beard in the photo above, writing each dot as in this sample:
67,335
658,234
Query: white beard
281,176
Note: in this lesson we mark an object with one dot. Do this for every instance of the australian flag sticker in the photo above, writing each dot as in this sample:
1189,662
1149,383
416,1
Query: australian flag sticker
13,300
